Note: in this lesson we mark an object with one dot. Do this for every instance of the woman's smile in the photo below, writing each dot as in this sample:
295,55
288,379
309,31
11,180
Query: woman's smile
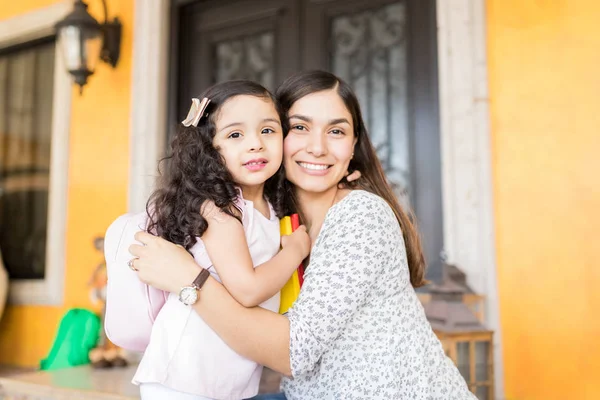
317,169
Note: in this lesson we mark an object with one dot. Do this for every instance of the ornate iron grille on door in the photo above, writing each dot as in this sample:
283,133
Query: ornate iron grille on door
369,52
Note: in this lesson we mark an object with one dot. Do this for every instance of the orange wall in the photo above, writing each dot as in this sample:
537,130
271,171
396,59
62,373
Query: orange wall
98,168
544,60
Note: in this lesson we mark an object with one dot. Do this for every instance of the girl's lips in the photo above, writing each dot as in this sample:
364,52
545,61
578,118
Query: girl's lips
256,165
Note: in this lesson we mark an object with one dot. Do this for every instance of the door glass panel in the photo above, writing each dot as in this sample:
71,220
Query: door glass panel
369,51
250,57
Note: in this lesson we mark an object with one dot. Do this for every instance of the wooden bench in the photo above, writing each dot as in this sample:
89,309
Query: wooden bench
78,383
86,383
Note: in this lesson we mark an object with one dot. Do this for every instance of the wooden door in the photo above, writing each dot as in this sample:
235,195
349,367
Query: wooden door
386,49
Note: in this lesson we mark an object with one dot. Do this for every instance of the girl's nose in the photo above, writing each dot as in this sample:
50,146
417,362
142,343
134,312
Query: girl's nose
256,143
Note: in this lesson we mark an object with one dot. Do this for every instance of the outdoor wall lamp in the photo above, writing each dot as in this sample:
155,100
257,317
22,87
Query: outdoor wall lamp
84,40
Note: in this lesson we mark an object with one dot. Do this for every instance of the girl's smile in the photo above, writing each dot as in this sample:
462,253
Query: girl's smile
256,164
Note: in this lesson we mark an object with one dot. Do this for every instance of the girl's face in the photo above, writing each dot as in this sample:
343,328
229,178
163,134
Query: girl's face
249,137
320,144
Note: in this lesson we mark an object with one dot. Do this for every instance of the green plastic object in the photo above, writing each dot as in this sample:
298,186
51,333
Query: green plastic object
78,333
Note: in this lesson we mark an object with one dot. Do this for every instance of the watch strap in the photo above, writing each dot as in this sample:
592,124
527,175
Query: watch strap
201,279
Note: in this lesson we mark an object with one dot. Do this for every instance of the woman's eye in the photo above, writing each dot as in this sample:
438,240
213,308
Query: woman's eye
234,135
298,127
266,131
337,132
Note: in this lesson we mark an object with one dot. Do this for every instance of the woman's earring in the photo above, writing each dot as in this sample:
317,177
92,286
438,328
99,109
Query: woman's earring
352,156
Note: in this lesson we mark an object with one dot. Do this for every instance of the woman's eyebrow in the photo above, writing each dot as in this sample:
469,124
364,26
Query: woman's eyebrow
339,121
334,121
301,117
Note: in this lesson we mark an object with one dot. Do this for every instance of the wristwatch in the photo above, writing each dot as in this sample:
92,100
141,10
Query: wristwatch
188,295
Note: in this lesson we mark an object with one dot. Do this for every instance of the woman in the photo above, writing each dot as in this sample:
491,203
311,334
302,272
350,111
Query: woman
357,330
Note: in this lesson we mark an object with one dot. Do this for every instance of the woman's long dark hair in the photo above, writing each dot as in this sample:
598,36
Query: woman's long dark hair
195,172
365,160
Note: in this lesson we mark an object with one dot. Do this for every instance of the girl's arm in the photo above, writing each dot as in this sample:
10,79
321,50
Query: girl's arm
226,245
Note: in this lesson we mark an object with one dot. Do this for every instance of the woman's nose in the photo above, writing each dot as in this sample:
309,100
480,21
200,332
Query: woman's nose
316,145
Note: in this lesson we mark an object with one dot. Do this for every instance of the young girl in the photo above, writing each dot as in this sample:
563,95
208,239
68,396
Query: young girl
225,165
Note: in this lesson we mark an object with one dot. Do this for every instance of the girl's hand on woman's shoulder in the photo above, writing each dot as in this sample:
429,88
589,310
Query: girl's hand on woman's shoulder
350,177
162,264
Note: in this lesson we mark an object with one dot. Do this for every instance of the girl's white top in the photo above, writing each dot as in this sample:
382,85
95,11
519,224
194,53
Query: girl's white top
181,351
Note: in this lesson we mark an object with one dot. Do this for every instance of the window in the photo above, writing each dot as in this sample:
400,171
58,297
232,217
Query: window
474,361
26,88
35,105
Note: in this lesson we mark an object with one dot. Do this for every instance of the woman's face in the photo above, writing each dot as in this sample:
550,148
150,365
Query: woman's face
320,143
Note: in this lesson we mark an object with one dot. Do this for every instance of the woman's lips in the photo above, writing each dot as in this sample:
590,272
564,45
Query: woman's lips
314,169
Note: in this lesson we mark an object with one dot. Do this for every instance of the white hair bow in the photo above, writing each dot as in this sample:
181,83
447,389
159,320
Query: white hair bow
196,112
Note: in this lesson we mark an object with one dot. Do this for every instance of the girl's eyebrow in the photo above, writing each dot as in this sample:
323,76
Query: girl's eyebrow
272,120
230,125
331,122
241,123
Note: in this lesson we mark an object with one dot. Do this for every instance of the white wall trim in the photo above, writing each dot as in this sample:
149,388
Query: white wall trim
32,25
466,155
149,98
21,29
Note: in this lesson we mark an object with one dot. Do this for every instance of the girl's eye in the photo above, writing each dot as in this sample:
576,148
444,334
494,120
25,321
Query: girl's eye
266,131
234,135
298,127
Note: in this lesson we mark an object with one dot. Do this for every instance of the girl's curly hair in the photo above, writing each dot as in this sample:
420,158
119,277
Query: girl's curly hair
195,172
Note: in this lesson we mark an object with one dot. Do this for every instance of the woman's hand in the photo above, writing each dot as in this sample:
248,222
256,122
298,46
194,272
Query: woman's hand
162,264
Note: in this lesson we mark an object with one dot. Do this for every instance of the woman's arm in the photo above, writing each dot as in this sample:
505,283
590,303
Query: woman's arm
226,245
255,333
343,269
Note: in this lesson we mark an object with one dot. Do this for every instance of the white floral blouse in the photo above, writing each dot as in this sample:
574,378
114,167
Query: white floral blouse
358,330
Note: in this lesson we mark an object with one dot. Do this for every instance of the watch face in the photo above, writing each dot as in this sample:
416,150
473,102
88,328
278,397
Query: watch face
188,295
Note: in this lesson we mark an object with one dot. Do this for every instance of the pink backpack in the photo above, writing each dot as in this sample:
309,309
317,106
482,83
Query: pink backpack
131,306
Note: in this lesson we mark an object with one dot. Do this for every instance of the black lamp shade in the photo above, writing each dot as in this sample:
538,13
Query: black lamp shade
81,37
